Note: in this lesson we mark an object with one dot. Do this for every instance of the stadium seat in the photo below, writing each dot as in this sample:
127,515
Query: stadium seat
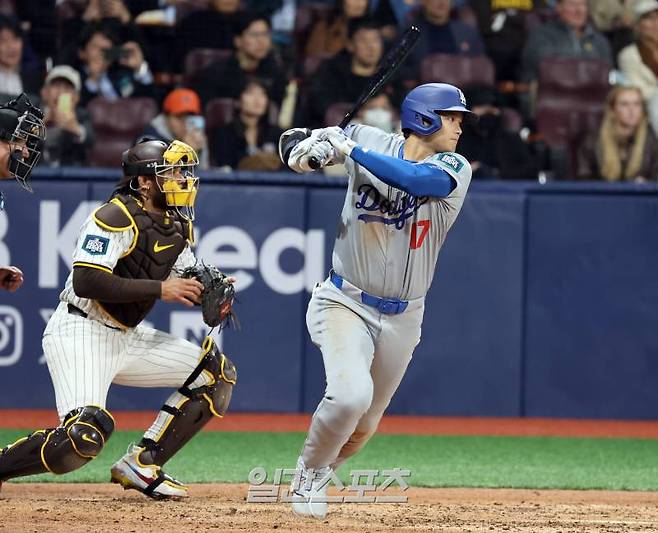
312,63
457,70
8,8
570,100
335,113
219,112
117,124
185,8
582,76
200,58
511,119
570,97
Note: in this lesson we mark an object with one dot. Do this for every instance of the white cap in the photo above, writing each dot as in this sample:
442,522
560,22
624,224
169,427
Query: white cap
643,7
67,73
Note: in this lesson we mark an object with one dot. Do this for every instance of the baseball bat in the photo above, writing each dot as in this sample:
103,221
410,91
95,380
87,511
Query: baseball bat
388,66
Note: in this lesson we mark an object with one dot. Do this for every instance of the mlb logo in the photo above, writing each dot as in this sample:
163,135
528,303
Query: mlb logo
462,98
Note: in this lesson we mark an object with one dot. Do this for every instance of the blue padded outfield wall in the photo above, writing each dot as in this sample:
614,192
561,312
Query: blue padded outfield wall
545,302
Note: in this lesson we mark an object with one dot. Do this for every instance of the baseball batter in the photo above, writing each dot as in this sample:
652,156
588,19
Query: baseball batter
22,133
128,255
404,194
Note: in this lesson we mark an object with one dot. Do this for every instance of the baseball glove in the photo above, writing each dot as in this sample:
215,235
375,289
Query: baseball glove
217,296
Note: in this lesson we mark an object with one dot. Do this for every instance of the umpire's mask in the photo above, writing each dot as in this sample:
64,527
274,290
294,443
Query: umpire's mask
21,125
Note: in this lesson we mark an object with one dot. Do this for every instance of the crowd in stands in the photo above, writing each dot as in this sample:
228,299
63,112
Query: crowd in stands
563,88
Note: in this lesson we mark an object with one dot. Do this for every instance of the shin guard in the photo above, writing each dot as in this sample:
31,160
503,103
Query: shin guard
196,405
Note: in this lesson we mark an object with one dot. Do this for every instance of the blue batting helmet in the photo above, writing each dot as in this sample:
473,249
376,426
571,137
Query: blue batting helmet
420,108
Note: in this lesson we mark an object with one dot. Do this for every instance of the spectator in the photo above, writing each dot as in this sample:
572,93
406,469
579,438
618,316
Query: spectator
493,151
39,21
12,81
250,141
639,61
610,14
97,10
439,34
70,132
344,77
502,24
215,27
113,13
624,148
571,35
378,112
399,12
110,69
615,19
181,119
253,58
330,35
137,7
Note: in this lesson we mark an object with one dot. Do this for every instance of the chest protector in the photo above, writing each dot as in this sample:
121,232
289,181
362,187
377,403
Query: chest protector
157,242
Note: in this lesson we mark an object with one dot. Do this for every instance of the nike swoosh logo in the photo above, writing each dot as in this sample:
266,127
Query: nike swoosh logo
147,480
89,439
158,248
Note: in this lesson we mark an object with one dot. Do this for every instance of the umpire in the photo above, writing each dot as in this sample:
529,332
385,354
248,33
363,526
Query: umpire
129,253
22,134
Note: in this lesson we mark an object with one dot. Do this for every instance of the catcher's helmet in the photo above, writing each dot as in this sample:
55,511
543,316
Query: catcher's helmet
174,163
421,107
142,158
21,125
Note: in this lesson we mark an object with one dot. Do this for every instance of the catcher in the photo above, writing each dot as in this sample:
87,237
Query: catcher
130,252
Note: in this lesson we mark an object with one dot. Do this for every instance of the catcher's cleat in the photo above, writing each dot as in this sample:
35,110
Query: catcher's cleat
309,491
130,473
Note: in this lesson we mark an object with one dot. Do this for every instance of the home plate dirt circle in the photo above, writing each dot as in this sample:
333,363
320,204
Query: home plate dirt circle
105,508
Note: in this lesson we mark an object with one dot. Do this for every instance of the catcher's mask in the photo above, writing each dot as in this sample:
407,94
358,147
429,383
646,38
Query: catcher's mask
173,166
21,125
178,182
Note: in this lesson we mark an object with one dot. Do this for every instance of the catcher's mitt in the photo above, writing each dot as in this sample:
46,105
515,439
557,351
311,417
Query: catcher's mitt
217,296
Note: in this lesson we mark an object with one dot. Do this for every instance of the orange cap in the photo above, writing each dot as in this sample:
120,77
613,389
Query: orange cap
181,101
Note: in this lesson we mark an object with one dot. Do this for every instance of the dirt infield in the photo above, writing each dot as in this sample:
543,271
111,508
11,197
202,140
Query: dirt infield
101,508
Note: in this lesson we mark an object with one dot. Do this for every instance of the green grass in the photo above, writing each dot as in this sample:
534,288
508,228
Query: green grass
435,461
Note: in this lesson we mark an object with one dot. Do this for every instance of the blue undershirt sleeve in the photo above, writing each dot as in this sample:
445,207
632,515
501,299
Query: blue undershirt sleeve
418,179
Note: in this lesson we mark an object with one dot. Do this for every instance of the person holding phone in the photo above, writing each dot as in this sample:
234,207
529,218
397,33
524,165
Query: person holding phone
181,118
112,63
70,132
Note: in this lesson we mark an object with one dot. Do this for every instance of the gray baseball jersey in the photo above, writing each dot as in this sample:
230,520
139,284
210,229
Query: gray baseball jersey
387,245
388,242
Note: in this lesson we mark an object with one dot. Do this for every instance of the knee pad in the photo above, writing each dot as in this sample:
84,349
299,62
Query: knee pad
79,440
221,374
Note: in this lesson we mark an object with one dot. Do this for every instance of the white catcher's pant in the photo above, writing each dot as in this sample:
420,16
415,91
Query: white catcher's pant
365,356
84,357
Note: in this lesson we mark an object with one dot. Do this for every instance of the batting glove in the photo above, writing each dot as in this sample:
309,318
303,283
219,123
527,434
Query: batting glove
336,136
309,148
